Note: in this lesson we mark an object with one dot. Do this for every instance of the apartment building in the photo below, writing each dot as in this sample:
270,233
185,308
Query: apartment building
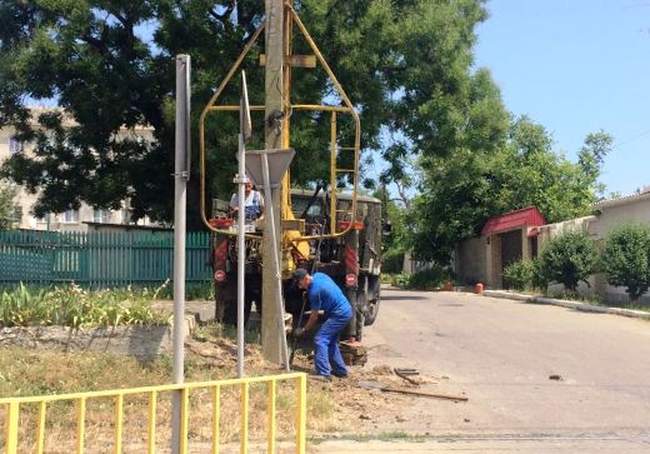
72,220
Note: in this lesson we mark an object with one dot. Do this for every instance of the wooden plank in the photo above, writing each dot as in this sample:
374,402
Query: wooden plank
296,61
388,389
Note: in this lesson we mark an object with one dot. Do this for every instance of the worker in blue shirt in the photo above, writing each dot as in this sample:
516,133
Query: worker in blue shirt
325,295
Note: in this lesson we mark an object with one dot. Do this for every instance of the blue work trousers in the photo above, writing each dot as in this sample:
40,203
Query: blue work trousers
327,355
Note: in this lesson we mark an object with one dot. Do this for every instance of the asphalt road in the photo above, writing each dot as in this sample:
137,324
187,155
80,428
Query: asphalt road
501,355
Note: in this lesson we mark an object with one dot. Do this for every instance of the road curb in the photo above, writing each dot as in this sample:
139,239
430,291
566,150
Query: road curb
575,305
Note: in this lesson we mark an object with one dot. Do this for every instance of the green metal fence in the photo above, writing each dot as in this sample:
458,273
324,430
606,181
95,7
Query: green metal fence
99,259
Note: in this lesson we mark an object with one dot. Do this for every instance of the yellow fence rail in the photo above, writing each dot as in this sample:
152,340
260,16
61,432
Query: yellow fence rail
13,413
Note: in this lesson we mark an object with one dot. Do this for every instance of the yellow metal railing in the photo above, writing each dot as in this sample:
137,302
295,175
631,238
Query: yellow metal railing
13,413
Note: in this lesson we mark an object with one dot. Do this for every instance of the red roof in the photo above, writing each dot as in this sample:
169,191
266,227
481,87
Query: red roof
526,217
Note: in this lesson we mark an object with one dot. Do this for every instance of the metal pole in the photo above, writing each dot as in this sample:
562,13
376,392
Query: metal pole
241,255
181,175
276,266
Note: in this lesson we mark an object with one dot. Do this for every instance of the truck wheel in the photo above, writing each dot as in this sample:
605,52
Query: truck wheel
371,313
360,322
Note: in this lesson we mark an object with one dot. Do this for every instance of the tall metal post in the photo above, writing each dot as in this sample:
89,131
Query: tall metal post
273,133
241,254
181,175
245,129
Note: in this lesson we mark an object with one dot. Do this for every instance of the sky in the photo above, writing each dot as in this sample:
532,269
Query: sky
577,66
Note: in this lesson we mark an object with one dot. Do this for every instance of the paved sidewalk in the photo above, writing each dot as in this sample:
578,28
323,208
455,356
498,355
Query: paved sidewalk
569,304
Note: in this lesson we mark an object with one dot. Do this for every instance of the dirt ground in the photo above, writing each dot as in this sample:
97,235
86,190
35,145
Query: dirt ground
358,401
361,405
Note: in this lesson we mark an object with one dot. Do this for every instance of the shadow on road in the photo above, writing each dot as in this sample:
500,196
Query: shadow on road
403,297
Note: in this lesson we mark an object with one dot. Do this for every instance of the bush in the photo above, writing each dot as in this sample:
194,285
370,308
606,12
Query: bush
538,280
626,259
75,307
519,275
399,280
428,279
568,259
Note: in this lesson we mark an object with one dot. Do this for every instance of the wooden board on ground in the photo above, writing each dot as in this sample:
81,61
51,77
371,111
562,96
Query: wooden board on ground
354,353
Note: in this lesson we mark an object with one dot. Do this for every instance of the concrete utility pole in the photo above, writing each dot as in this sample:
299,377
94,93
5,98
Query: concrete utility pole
181,175
275,136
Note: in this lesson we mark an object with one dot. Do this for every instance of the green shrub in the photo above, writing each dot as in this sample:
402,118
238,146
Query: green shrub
400,280
75,307
519,275
538,280
568,259
626,259
428,279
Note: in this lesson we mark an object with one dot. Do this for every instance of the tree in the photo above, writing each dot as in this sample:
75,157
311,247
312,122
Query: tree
626,259
7,206
592,155
568,259
394,242
461,191
405,64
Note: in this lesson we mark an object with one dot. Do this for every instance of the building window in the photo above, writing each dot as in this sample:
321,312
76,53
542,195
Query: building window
71,216
15,145
101,216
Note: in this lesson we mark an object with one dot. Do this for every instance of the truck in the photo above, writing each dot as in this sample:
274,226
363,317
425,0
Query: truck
328,227
333,256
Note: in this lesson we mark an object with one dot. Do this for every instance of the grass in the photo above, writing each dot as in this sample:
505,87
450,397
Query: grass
594,300
25,372
214,330
600,302
75,307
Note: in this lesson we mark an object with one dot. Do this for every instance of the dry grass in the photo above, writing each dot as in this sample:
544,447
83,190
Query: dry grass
28,372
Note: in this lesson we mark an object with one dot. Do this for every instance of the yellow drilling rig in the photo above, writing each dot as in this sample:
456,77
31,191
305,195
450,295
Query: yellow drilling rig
329,228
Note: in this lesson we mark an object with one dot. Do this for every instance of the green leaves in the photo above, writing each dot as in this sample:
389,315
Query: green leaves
404,63
462,190
568,259
519,275
75,307
626,259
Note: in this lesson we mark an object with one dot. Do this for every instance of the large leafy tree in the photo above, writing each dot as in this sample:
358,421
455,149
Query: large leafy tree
109,64
459,192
